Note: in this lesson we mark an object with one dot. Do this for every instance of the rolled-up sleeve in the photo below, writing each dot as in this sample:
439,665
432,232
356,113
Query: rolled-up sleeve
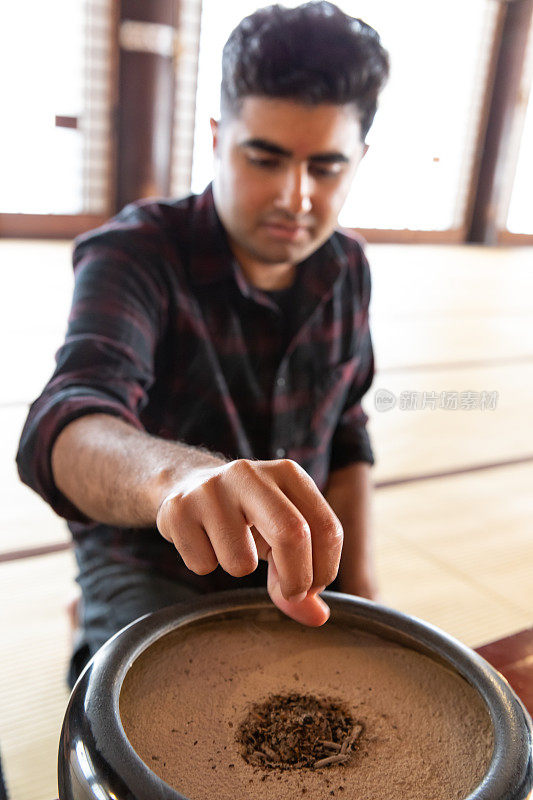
351,442
106,362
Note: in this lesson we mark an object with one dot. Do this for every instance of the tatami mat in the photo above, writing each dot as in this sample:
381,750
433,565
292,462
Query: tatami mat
450,303
476,527
33,692
465,278
413,581
429,440
425,339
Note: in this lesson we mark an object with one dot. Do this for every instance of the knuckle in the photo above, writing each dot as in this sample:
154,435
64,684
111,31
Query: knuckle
240,474
203,567
165,525
237,558
333,532
290,467
172,509
243,468
209,490
197,556
292,532
244,565
200,565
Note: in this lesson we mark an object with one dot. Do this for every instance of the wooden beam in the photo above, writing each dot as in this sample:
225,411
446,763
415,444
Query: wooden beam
146,98
490,190
393,236
508,238
48,226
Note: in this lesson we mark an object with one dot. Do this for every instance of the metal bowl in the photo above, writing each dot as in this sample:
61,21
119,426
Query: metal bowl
97,762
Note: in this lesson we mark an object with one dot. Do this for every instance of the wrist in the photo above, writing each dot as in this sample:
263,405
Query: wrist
172,481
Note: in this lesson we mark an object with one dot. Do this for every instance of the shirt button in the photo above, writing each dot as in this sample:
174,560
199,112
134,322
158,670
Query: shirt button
280,382
281,452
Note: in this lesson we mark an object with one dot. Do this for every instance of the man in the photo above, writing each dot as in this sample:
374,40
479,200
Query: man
218,349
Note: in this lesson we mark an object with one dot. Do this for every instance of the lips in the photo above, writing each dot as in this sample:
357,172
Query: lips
283,230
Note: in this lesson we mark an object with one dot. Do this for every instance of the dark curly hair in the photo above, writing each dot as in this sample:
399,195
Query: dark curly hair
314,53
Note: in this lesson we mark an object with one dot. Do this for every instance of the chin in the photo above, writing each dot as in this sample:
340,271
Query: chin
293,253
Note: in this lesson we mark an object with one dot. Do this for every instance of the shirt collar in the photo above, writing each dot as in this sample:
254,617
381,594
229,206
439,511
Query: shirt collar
211,258
213,261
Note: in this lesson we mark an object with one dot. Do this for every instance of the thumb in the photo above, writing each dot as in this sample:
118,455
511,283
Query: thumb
310,611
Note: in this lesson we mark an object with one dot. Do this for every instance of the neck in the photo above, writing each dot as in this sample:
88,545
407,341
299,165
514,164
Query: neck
269,277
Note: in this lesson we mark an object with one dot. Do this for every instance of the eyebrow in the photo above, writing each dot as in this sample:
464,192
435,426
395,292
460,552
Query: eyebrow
276,150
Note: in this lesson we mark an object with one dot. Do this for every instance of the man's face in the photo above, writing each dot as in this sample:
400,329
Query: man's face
282,173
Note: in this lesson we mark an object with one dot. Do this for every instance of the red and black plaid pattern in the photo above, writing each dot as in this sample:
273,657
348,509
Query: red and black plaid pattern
166,332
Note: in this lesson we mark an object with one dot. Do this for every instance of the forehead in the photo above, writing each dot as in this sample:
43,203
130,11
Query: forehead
301,129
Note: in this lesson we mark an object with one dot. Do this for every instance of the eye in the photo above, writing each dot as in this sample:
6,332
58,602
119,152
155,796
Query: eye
264,162
325,170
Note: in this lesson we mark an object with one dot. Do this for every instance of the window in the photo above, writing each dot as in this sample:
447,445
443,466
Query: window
520,218
56,98
417,172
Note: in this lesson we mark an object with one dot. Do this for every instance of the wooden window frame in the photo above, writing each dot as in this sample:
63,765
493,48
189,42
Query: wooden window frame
524,95
48,226
68,226
498,159
504,72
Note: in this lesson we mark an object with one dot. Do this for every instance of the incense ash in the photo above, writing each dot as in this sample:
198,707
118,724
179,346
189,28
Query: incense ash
295,731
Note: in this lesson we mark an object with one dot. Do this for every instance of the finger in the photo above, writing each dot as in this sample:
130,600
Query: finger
285,531
188,537
194,547
278,521
326,531
262,546
312,610
231,539
264,551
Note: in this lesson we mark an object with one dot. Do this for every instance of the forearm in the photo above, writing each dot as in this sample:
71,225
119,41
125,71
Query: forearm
118,475
215,512
349,493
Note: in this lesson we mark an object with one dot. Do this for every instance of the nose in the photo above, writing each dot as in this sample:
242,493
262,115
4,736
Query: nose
295,191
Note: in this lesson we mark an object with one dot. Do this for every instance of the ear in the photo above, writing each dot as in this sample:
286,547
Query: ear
365,150
214,132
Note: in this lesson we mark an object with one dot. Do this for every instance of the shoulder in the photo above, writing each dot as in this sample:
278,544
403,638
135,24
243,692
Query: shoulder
352,244
136,250
138,228
353,249
351,238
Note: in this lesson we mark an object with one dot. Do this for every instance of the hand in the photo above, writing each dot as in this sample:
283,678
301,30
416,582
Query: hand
236,513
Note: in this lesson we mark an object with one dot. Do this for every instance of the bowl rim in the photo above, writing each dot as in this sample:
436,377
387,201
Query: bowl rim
95,751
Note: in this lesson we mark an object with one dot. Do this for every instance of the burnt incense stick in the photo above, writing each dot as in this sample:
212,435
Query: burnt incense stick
269,752
297,731
330,745
336,759
347,743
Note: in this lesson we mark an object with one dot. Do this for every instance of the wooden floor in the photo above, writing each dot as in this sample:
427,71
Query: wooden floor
453,504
